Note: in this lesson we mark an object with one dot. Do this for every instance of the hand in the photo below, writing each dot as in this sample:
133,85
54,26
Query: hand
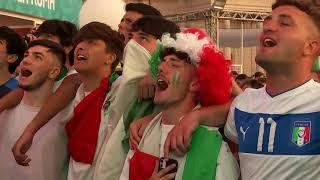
146,87
179,138
163,174
136,130
20,148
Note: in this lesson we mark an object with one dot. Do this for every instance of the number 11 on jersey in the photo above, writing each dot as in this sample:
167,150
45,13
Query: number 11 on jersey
271,134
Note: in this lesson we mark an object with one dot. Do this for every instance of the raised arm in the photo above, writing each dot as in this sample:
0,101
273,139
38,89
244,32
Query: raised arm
57,102
179,138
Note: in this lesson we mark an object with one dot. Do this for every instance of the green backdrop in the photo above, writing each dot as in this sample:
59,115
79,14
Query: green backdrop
47,9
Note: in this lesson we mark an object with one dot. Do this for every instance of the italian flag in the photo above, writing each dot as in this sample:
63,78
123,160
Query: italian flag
200,162
301,135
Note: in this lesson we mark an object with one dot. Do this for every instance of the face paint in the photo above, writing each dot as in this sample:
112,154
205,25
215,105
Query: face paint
176,79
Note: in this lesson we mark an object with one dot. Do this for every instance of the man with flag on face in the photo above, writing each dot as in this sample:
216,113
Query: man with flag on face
69,86
145,33
192,73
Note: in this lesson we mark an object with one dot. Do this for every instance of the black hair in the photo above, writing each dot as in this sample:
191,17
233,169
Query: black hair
65,30
97,30
255,84
71,57
258,74
172,51
142,8
53,47
155,25
15,45
241,77
234,73
310,7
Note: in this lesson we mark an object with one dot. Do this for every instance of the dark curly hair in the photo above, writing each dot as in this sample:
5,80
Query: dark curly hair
143,9
97,30
15,45
155,25
65,30
172,51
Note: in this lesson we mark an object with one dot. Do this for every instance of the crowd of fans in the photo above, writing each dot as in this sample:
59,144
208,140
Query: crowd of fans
175,111
256,81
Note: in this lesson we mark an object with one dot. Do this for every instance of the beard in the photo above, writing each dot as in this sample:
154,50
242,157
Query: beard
277,62
263,62
35,85
280,57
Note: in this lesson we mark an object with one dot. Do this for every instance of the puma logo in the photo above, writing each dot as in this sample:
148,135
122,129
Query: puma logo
243,132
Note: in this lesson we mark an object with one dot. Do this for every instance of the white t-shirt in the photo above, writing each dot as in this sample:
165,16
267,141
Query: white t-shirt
278,137
48,152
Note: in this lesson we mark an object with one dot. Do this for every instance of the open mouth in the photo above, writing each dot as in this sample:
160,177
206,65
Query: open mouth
268,42
25,73
81,58
161,84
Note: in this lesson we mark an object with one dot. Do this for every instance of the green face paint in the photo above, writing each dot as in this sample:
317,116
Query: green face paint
176,79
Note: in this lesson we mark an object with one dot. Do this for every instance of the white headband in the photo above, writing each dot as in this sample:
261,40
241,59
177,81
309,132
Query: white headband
188,43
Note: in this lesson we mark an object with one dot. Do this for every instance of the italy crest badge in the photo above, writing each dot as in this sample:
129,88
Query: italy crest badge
301,132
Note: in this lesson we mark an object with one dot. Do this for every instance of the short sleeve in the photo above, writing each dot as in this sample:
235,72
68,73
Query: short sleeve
230,128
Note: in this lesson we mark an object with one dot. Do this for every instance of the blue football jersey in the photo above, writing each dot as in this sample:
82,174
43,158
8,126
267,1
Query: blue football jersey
278,137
